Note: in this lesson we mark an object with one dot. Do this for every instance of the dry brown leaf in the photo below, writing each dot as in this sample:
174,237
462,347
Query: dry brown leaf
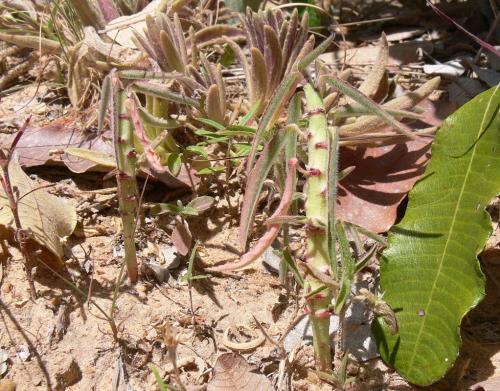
233,373
46,146
46,218
399,54
39,146
369,196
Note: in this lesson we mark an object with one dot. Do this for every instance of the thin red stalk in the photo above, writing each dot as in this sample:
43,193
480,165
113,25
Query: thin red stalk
272,231
479,41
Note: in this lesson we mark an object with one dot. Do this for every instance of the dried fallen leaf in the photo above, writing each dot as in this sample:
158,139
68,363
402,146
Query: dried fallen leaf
399,54
46,219
232,372
369,196
48,145
40,146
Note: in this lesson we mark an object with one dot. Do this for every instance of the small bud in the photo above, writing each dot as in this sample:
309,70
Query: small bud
132,154
323,313
313,172
318,110
327,271
320,145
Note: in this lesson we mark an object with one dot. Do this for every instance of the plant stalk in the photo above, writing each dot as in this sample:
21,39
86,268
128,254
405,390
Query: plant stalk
316,207
126,159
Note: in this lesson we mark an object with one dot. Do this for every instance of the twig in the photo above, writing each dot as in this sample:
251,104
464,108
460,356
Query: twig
19,234
17,71
479,41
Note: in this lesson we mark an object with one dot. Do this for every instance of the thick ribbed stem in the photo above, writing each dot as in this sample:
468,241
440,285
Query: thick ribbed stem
317,238
126,158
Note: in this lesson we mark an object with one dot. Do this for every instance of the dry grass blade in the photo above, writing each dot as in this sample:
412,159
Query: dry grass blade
48,46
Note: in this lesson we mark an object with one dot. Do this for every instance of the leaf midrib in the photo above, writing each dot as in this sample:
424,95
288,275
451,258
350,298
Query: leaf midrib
449,234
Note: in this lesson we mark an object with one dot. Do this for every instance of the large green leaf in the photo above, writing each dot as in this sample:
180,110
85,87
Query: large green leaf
430,274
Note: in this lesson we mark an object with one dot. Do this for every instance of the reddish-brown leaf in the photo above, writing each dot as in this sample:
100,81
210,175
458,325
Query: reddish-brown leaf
45,146
369,196
181,236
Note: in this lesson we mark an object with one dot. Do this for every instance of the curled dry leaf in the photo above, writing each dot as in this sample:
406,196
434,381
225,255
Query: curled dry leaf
46,219
232,372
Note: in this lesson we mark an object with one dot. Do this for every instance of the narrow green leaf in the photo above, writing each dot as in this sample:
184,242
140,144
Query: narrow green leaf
161,208
333,179
241,130
198,150
430,274
211,170
255,182
174,163
103,103
162,91
162,386
211,123
152,120
97,157
272,113
292,266
251,113
311,56
348,268
192,257
369,104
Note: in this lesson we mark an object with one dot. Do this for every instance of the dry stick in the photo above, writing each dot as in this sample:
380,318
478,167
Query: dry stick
20,234
17,71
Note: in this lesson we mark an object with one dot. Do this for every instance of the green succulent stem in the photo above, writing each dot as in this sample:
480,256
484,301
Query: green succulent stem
317,239
126,160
